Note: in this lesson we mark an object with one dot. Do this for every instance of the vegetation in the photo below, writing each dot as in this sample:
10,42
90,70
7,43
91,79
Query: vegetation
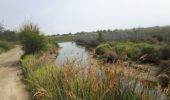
143,52
69,82
5,45
100,37
62,38
151,34
87,38
7,39
166,52
8,35
31,39
74,82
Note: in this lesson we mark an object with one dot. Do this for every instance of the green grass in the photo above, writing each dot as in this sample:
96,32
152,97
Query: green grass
63,38
133,51
5,46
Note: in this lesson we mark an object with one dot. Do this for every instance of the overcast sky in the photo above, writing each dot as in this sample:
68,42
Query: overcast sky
64,16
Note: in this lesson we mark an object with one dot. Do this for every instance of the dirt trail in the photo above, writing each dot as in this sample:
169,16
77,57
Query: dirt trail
11,86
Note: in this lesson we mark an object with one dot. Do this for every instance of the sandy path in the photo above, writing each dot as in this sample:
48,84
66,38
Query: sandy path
11,86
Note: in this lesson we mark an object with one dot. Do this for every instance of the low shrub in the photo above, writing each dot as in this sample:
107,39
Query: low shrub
102,48
4,46
148,49
165,52
152,53
110,56
129,50
32,40
134,53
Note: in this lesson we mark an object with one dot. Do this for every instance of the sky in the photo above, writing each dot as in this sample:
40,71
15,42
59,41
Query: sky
65,16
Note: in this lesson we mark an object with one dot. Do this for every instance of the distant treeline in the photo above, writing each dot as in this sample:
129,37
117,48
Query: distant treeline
151,34
63,37
7,39
8,35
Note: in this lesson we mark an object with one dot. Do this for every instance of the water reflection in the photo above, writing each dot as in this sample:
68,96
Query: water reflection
72,52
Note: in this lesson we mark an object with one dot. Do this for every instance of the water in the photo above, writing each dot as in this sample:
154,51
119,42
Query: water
72,52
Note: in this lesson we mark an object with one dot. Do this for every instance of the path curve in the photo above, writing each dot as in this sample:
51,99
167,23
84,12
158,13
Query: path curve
11,86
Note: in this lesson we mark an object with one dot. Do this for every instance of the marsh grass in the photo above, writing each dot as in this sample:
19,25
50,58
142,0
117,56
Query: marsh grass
73,82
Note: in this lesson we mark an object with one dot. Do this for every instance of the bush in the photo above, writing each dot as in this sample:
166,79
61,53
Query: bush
151,52
4,46
148,49
32,40
110,56
102,48
165,52
134,51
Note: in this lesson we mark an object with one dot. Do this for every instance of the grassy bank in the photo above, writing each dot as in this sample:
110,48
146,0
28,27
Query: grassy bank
5,46
143,52
50,82
73,82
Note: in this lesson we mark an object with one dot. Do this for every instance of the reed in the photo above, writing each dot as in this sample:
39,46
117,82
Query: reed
71,81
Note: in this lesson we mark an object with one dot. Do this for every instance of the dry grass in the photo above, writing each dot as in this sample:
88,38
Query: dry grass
95,82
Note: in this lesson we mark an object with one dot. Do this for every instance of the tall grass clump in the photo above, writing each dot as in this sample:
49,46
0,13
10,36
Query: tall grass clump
31,39
73,82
